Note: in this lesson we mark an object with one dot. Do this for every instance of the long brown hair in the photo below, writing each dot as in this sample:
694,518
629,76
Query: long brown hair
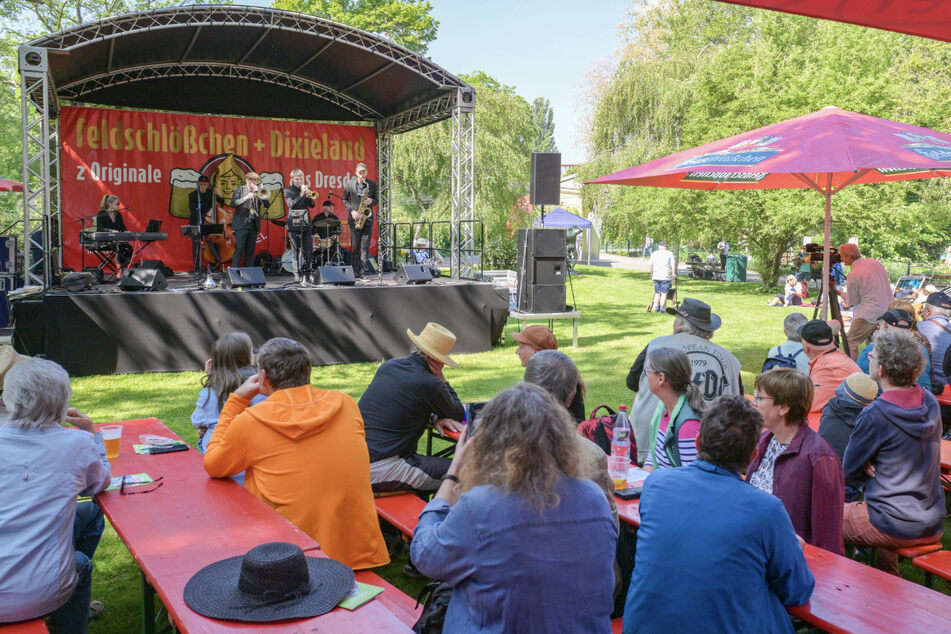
526,443
230,353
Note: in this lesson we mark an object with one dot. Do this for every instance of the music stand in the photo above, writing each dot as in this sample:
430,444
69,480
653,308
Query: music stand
202,231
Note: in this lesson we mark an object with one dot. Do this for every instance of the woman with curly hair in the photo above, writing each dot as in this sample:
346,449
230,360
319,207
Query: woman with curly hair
526,542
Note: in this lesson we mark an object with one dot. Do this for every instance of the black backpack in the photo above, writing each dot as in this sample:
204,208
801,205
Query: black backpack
780,360
435,604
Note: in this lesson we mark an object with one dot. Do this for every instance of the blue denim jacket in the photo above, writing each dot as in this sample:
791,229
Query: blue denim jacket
514,568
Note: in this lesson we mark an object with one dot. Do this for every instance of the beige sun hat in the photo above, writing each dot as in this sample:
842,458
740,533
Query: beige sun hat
434,341
8,359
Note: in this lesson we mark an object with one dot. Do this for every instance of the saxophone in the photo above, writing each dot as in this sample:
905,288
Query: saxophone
365,210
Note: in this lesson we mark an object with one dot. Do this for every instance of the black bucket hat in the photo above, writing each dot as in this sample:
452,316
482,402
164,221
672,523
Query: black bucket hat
272,582
697,313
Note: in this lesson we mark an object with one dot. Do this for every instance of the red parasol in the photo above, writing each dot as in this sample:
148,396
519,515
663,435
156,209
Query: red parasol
926,18
7,185
825,151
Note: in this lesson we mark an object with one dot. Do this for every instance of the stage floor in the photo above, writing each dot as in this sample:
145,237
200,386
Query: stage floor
106,331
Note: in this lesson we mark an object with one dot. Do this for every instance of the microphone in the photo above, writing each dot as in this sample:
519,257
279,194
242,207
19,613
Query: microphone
125,209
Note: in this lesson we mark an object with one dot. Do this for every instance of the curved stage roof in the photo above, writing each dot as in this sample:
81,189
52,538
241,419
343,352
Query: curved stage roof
246,61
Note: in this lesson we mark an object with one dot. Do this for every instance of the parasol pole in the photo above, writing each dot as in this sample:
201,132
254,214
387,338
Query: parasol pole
825,252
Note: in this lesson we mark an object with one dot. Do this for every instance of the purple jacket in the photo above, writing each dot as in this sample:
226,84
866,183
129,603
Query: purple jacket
808,479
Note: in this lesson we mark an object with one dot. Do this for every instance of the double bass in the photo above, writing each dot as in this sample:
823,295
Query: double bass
224,241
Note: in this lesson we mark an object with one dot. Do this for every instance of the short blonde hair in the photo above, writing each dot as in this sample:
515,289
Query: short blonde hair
789,387
296,172
252,176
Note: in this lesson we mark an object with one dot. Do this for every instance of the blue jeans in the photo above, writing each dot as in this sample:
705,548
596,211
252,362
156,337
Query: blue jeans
87,529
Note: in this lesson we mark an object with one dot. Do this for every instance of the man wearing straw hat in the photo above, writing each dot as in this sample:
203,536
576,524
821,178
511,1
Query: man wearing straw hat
405,395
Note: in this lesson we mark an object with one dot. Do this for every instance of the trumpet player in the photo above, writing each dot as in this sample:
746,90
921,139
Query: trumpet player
300,200
248,199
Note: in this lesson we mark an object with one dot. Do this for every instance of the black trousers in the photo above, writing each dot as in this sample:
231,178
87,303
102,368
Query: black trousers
360,248
244,242
302,237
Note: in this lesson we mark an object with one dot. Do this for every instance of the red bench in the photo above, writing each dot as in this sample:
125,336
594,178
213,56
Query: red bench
401,510
936,563
36,626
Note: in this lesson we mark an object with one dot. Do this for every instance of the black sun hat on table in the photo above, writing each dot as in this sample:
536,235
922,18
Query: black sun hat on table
272,582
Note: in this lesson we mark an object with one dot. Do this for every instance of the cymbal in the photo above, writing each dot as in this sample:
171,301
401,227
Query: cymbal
328,222
279,223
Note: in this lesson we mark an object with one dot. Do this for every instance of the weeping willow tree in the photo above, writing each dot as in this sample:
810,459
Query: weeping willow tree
693,71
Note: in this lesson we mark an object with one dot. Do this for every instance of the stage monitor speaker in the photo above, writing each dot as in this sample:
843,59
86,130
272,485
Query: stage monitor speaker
546,178
245,277
542,243
155,264
541,298
339,275
142,280
414,274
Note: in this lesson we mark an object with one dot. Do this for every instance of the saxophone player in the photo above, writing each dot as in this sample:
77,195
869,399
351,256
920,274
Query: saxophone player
358,192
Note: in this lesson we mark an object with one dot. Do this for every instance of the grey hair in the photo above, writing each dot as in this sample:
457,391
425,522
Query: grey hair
690,329
555,372
792,324
36,393
297,172
937,310
900,357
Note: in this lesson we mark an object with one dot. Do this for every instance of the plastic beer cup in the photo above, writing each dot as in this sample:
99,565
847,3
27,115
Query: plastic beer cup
111,436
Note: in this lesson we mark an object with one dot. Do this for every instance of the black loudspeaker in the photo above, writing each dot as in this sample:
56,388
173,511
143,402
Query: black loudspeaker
155,264
548,271
245,277
413,274
545,243
542,298
546,178
339,275
142,280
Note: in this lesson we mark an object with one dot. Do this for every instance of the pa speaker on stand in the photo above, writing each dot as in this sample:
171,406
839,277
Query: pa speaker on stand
542,270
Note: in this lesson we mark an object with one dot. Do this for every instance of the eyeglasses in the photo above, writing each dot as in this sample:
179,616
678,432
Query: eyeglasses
758,398
158,482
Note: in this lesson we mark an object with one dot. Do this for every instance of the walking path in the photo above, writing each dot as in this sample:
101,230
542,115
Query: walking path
642,264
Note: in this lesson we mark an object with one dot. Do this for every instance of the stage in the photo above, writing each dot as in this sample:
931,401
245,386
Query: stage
106,331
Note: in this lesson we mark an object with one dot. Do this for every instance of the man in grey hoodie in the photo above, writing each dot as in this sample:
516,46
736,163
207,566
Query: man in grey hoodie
895,452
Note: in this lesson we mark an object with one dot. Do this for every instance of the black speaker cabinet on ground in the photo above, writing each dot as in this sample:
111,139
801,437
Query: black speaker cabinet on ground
142,280
339,275
413,274
245,277
541,298
546,178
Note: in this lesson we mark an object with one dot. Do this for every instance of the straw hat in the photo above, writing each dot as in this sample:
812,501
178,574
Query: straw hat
8,359
272,582
434,341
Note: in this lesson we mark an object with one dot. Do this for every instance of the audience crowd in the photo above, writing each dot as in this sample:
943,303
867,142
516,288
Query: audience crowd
522,521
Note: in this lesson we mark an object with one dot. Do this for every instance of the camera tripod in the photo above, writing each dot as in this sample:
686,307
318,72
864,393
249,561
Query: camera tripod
832,297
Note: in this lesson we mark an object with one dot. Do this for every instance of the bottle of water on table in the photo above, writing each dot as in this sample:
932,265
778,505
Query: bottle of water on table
620,460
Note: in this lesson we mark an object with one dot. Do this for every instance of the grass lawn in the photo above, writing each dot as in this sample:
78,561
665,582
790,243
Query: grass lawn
613,329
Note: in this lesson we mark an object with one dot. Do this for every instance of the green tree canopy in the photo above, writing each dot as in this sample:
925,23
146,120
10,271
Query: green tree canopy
694,71
406,22
505,135
543,118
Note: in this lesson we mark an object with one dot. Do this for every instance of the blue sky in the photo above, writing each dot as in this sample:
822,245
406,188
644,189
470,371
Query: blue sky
543,49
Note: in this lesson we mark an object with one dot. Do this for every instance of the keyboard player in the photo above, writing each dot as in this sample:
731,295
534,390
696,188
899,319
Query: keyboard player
109,219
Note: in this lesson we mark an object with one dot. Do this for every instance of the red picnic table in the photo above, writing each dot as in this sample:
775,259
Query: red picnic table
193,520
852,597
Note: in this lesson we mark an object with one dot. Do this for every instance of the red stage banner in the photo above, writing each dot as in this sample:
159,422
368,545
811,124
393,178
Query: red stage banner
152,161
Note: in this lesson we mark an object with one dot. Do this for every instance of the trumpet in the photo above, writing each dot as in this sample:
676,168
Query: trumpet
306,192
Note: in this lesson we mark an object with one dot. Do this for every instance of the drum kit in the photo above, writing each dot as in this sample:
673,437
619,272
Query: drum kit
326,250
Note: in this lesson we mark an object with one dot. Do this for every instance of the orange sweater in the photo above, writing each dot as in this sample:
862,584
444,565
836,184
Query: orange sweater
827,371
305,454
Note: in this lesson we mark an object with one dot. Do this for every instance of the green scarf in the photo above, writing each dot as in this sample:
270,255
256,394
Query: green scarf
673,428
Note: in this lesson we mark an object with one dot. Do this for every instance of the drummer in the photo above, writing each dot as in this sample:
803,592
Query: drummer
324,230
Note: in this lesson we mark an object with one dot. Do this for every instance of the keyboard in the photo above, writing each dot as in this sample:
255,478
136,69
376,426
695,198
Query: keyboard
124,236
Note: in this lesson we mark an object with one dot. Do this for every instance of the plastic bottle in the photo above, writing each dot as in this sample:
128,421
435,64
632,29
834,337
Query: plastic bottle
620,461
